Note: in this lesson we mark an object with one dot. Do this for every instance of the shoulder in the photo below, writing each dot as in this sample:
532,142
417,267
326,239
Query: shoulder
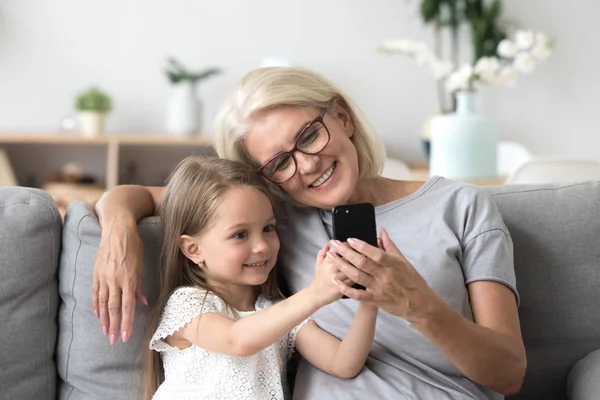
468,209
194,300
459,196
476,208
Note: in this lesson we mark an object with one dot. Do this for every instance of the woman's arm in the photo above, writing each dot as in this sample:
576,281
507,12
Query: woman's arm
489,351
346,358
251,334
118,265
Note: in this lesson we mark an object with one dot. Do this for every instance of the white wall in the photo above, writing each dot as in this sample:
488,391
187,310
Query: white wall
51,49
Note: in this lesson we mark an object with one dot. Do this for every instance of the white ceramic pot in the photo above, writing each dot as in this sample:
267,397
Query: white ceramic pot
92,123
464,143
183,110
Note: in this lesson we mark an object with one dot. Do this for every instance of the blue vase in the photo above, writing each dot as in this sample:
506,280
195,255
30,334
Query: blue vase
464,143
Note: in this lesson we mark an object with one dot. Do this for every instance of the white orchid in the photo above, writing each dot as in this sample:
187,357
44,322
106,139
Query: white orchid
542,47
405,46
440,69
507,48
524,63
524,39
514,57
487,69
460,79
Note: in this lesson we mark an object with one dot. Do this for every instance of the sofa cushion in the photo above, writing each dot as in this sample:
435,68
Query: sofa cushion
584,378
30,234
88,366
556,235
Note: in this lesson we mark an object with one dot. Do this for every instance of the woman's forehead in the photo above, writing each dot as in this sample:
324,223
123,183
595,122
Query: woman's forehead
274,130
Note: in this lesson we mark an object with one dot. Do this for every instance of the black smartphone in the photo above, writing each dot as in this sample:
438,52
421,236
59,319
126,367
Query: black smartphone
355,221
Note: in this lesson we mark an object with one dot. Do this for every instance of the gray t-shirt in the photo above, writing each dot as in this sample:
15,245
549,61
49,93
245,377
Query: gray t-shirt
453,234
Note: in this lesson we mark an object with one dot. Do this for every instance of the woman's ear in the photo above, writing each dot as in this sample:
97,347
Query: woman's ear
190,247
342,113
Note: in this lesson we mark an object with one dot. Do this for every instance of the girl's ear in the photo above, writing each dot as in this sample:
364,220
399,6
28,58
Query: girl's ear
190,248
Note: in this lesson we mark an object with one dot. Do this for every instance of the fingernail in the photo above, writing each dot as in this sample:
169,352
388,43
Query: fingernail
145,301
331,255
113,339
105,330
96,314
352,241
335,243
125,336
336,282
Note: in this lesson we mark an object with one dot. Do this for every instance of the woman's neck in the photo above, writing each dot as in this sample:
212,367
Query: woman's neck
379,190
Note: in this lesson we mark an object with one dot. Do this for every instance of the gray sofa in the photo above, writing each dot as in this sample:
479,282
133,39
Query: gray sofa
51,345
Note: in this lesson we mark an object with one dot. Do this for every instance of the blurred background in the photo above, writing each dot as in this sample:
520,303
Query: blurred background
51,50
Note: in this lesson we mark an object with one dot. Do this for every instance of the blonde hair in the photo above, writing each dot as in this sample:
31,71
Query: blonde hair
188,207
267,88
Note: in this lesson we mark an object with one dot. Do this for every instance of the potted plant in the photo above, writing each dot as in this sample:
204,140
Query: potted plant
93,104
183,108
464,143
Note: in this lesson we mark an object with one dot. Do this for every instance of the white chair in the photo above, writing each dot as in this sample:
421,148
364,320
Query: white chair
396,169
511,155
555,170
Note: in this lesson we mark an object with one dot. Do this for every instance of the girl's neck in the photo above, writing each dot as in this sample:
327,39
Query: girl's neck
240,297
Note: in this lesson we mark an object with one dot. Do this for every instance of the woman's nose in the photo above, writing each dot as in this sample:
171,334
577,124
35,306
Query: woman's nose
307,163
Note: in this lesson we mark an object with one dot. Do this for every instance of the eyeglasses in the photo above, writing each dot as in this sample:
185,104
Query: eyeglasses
312,139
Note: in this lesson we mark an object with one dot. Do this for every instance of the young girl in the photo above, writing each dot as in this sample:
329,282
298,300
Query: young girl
224,331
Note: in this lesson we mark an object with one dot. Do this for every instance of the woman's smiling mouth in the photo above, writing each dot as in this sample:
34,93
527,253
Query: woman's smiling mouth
324,178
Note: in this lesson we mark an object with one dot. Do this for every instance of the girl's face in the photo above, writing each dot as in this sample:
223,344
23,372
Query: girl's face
322,180
241,246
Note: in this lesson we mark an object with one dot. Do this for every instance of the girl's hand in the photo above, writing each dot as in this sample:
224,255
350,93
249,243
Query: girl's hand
324,283
392,283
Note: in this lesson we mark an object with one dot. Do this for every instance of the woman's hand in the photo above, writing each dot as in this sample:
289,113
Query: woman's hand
117,277
324,283
392,283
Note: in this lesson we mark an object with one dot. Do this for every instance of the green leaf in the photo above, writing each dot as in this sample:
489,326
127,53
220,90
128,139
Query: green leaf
93,99
430,10
494,11
176,72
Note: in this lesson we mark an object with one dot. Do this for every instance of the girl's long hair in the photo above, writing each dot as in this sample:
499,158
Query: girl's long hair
189,204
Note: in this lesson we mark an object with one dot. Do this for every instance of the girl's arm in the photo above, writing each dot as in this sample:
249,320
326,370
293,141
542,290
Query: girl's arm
118,265
345,358
251,334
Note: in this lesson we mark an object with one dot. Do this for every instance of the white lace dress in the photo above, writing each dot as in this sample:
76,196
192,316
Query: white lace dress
195,373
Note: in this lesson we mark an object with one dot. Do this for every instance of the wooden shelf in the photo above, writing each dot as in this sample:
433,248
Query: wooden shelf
111,143
133,139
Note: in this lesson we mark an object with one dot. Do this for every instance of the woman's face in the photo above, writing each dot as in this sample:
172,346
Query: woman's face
322,180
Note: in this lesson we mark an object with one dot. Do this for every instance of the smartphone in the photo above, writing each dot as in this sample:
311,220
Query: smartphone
355,221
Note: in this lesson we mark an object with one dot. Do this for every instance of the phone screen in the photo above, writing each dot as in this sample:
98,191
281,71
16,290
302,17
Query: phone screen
355,221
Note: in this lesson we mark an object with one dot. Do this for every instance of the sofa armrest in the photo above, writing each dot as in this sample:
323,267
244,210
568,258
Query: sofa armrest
584,379
30,239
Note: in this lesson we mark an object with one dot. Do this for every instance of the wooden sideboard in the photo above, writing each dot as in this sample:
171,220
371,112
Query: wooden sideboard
110,144
105,156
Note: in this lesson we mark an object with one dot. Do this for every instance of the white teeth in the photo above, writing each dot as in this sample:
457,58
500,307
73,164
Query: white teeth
323,178
258,264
